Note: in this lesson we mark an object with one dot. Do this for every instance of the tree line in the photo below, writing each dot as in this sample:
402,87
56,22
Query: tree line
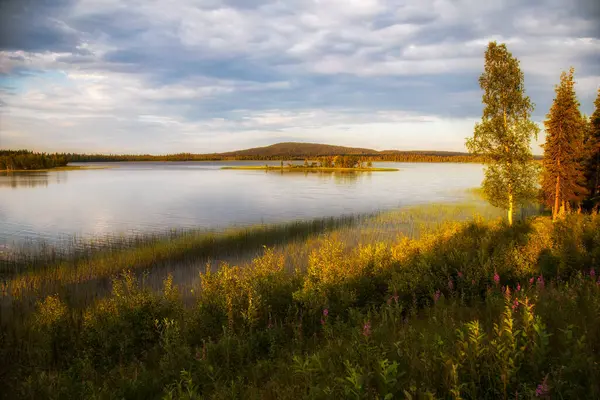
570,170
28,160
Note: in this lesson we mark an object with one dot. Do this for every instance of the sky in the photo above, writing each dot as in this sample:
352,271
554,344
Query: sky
149,76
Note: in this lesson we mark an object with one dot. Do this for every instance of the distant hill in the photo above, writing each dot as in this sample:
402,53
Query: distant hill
290,151
297,149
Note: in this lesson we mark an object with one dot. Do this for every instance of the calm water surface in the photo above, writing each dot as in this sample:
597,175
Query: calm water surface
133,198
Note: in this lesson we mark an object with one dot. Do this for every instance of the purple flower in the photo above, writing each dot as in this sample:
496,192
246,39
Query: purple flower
515,305
326,312
531,281
367,329
542,389
436,296
496,277
592,273
518,287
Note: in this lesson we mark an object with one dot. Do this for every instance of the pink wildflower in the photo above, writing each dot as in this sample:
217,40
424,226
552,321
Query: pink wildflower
367,329
460,274
436,296
531,281
592,273
515,305
322,322
496,277
450,284
542,389
325,312
518,287
540,282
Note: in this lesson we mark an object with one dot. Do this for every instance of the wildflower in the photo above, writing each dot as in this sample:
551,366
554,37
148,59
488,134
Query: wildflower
496,277
531,281
367,329
472,281
325,312
322,322
540,282
460,274
436,296
450,284
593,273
518,287
542,389
515,305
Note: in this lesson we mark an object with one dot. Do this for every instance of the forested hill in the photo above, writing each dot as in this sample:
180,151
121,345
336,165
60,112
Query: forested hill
281,151
291,151
296,149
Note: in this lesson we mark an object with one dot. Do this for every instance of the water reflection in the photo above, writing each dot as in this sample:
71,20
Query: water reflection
31,179
137,198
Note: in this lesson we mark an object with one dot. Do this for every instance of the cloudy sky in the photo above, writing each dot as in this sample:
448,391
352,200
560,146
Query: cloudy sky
136,76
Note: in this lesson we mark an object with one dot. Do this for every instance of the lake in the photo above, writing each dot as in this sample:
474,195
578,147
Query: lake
141,197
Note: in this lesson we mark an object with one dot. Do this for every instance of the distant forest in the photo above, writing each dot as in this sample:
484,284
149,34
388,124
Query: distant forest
28,160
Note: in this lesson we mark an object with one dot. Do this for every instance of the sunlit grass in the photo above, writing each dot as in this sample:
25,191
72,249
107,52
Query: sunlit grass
463,307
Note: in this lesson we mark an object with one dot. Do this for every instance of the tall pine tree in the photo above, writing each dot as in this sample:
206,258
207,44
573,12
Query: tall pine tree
592,145
503,136
563,182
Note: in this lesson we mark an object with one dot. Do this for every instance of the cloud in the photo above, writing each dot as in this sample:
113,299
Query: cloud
186,75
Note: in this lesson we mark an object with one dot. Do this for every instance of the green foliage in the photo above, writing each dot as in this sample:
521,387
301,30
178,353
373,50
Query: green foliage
592,146
449,315
562,178
504,134
28,160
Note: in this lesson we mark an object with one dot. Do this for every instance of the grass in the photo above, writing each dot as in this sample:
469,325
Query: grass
431,301
309,169
469,309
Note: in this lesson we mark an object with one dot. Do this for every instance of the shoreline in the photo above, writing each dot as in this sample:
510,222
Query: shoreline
65,168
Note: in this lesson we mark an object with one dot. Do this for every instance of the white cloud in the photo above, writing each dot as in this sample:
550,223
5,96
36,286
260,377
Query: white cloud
152,75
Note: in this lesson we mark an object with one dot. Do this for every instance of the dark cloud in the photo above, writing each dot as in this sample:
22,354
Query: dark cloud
36,25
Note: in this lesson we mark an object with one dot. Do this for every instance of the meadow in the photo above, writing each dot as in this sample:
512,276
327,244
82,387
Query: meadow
436,301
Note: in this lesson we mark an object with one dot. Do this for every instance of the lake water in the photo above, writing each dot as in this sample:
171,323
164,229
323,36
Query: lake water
134,198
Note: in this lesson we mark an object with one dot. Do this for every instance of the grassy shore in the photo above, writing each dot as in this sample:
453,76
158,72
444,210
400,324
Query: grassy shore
309,169
464,307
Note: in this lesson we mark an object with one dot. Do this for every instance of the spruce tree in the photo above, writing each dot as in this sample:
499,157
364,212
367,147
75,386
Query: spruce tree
563,182
504,134
592,145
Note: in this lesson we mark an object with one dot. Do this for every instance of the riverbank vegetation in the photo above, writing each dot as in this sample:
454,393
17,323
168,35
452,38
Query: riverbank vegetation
474,309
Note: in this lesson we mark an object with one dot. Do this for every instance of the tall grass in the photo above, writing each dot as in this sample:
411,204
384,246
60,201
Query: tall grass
465,309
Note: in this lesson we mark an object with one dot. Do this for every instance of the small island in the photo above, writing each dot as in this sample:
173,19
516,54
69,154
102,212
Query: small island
323,164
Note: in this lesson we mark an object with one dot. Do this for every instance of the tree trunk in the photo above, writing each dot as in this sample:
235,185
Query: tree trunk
556,199
510,208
